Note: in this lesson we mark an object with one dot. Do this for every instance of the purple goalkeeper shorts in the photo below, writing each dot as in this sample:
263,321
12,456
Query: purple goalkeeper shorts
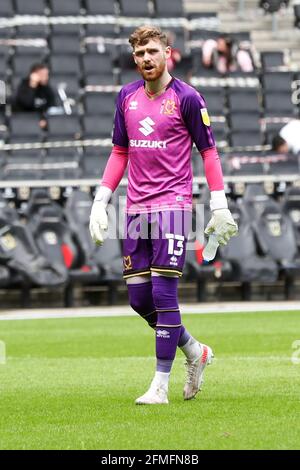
155,242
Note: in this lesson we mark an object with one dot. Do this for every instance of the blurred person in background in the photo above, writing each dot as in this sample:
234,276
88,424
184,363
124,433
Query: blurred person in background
175,56
287,140
225,56
34,92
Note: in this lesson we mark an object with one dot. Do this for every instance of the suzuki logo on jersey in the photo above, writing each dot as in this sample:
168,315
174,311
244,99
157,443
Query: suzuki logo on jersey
150,144
146,128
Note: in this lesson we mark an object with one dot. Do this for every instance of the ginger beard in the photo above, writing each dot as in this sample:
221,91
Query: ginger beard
151,72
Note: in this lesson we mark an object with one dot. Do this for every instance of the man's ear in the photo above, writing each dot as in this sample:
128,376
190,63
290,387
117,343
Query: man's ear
168,51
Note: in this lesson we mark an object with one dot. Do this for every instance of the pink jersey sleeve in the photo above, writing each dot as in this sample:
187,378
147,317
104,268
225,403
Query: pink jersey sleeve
115,167
213,169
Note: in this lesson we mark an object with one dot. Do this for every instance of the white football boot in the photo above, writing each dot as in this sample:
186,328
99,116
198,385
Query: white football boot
195,371
156,395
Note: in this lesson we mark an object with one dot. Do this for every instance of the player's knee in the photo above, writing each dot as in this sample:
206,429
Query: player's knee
164,292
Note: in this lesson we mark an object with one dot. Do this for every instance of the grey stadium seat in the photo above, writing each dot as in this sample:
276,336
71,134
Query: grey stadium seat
95,127
103,7
65,44
64,127
6,9
65,64
278,104
65,7
99,103
134,8
277,81
172,9
243,100
30,7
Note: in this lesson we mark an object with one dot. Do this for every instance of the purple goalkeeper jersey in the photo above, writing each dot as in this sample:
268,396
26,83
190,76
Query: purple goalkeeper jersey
159,134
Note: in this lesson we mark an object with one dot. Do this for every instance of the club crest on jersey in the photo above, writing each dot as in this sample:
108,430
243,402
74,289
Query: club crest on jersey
168,107
127,263
205,117
133,105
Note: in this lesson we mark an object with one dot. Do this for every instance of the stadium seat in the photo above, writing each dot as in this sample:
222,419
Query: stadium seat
220,132
242,121
245,138
21,64
109,259
97,64
65,44
70,85
64,127
271,59
22,255
105,7
276,237
290,166
172,9
106,30
32,31
272,6
248,169
241,253
243,100
65,65
297,15
77,213
6,9
255,200
55,174
25,126
65,29
95,127
99,103
291,206
65,7
277,81
133,8
27,173
25,156
39,198
195,269
30,7
94,161
63,155
278,104
25,50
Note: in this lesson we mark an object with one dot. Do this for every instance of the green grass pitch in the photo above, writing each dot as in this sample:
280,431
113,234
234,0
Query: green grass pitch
71,384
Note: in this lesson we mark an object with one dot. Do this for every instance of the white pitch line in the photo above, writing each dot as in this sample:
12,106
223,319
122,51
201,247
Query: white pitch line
207,308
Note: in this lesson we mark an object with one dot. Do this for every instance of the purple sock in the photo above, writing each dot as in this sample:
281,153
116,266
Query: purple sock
141,300
168,327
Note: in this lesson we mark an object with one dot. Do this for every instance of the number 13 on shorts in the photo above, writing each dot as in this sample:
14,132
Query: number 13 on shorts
175,246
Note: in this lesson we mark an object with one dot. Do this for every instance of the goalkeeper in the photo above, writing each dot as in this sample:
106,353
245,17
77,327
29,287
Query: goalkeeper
156,122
